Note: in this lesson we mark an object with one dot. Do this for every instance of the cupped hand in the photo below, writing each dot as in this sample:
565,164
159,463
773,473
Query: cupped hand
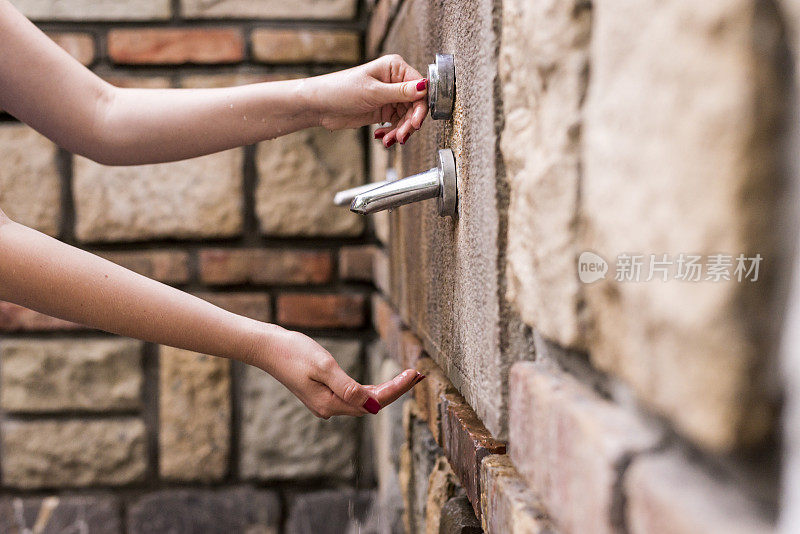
386,90
312,374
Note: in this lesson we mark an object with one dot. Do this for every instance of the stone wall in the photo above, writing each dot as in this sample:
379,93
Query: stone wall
103,434
645,134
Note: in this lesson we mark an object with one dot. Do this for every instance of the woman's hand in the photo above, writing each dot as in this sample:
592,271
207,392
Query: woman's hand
311,373
384,90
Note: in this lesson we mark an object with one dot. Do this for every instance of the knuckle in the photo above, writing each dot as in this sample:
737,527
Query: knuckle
351,392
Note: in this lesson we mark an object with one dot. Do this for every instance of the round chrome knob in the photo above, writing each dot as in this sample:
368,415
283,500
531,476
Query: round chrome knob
442,87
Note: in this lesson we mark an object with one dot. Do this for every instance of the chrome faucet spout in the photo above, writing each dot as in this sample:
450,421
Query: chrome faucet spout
418,187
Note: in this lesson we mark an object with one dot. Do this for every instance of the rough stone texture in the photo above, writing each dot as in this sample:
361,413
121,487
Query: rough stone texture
378,165
388,325
703,181
245,510
667,494
269,9
253,305
567,443
30,186
339,310
508,506
447,273
168,266
40,375
299,173
86,10
458,518
381,271
442,485
264,266
424,455
200,197
14,318
175,46
95,514
342,510
41,454
543,66
466,442
272,45
430,393
379,19
194,415
281,439
78,45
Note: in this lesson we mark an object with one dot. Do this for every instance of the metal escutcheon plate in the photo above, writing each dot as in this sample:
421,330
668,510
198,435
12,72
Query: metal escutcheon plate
448,193
442,88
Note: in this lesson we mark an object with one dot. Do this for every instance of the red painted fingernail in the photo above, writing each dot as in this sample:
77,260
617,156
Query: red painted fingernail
372,406
390,143
422,84
417,380
379,135
403,141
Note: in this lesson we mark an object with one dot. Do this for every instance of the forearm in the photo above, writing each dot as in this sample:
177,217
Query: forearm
46,275
157,125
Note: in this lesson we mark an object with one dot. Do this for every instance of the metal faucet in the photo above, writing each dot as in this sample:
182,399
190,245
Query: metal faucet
439,182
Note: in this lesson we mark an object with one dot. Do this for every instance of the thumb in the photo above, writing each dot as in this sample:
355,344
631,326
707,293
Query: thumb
351,392
391,93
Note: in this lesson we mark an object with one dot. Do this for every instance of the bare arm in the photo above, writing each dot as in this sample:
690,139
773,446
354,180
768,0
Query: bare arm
46,275
43,86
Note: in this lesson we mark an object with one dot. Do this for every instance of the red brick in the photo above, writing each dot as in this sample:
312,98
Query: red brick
430,393
466,442
253,305
141,82
508,505
305,46
321,310
567,442
79,45
174,46
15,318
265,266
168,266
388,325
356,263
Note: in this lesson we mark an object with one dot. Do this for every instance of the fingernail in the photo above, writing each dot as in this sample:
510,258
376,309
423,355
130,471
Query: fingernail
379,135
417,380
403,141
422,84
372,406
390,143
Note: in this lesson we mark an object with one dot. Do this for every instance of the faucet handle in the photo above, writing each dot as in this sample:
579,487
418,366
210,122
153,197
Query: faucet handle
345,198
442,87
439,182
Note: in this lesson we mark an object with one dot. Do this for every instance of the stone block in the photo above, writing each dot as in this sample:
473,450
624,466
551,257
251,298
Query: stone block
30,184
97,514
175,46
356,262
196,198
314,310
508,506
430,393
78,45
568,443
459,518
168,266
269,9
241,509
299,173
194,415
272,45
424,456
265,266
704,181
38,375
45,454
666,493
328,511
543,65
442,485
466,442
281,439
93,10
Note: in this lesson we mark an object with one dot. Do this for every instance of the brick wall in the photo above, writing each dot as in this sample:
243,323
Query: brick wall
661,127
115,435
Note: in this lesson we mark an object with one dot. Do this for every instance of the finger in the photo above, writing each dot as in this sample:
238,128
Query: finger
420,112
350,391
409,91
381,132
390,391
390,138
406,127
338,407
